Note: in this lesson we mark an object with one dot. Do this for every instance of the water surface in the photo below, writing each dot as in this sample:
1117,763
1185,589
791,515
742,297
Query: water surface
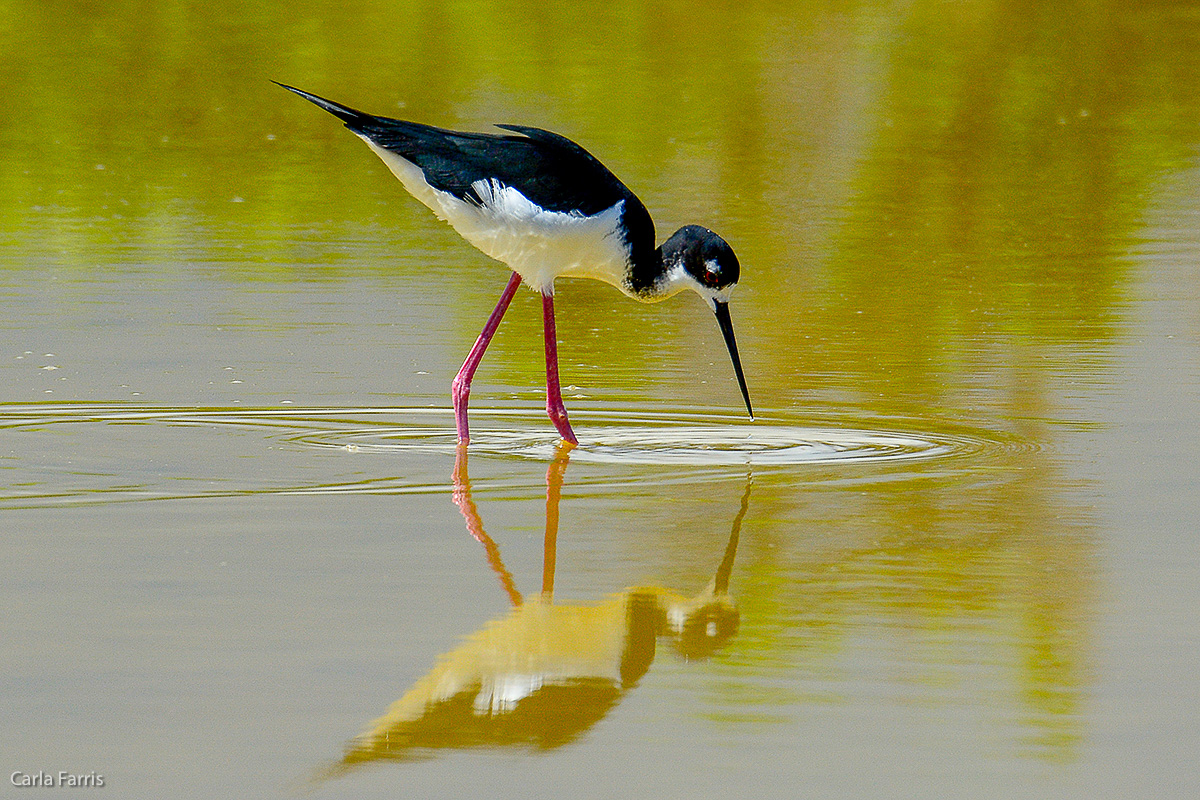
955,555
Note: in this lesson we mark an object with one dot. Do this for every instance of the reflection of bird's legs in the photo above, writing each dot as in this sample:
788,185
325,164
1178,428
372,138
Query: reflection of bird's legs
554,483
462,499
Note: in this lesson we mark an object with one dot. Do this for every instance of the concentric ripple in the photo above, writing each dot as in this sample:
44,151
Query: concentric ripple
662,439
93,453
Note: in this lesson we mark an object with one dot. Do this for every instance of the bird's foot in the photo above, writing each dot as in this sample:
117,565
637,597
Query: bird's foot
558,415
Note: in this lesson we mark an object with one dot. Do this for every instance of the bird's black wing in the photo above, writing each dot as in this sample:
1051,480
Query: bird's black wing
551,170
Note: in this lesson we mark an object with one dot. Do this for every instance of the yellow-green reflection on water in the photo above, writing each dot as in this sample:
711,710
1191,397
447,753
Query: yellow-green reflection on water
919,198
965,229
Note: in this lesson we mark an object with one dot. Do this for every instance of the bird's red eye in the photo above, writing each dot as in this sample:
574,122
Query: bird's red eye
711,277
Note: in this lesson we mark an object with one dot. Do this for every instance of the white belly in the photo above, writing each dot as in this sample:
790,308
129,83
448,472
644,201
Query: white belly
538,245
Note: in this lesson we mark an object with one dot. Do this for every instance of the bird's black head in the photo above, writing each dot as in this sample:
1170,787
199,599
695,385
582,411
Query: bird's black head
696,258
705,257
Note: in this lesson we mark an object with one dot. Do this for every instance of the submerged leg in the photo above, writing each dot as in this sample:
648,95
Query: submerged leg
554,401
460,390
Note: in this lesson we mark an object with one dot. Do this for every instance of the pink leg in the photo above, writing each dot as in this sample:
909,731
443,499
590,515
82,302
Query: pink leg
460,390
554,401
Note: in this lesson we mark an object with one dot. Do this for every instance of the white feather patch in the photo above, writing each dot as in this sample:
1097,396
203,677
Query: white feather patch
537,244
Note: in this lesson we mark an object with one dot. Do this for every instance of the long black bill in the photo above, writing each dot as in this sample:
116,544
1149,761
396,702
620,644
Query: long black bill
726,325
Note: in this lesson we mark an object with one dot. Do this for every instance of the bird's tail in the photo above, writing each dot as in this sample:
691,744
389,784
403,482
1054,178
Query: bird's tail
354,119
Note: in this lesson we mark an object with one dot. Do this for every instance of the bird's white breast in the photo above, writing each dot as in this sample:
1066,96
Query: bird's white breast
537,244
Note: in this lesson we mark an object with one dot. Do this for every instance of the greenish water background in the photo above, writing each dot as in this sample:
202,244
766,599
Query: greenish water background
971,222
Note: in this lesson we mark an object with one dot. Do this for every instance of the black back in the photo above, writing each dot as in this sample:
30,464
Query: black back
549,169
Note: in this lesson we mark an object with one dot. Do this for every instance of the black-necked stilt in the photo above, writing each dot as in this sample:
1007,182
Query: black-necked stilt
547,208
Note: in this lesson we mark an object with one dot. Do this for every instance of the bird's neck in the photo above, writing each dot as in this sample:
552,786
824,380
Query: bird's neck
655,276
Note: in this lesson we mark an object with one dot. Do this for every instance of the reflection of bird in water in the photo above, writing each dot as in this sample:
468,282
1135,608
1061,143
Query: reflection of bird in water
544,673
547,208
